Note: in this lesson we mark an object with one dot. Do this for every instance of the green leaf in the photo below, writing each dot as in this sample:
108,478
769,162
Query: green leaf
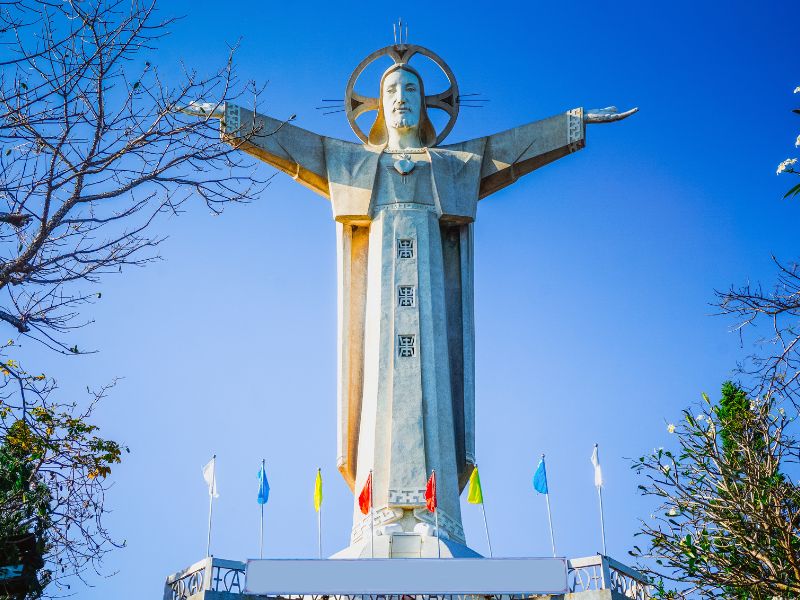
792,192
136,85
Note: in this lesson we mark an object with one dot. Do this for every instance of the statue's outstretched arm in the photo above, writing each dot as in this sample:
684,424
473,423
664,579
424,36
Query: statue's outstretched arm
609,114
208,110
288,148
509,155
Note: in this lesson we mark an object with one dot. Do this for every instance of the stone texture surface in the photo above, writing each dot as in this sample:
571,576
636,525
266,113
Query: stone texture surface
406,398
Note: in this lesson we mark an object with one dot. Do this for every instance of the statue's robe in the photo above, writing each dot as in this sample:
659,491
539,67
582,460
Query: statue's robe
406,393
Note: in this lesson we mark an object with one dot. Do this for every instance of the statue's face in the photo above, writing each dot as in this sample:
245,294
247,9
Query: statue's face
402,99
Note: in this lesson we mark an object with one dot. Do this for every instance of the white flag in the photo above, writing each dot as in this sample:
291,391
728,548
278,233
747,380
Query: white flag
598,473
209,474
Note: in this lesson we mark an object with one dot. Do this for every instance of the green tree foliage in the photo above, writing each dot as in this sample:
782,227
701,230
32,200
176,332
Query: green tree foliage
25,518
53,473
728,518
732,413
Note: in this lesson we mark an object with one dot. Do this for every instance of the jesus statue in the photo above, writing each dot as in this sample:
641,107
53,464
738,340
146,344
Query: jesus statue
404,208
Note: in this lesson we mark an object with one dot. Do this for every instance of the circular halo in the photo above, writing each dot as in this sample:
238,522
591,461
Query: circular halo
356,104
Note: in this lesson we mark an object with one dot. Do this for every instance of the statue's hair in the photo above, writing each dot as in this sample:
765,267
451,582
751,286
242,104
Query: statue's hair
378,135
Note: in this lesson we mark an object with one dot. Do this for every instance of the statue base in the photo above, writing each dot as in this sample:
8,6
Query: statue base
590,578
406,545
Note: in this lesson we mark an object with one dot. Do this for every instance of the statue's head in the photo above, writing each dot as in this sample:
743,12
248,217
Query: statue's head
401,106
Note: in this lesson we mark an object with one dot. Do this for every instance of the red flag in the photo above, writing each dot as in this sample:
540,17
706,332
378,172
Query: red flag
430,493
365,497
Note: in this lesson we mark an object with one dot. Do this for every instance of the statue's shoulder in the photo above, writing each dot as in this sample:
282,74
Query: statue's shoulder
460,149
351,176
335,146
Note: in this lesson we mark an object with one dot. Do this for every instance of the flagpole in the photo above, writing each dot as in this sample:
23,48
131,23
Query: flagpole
598,482
550,521
486,526
436,514
261,532
602,519
371,516
318,509
540,485
211,501
438,545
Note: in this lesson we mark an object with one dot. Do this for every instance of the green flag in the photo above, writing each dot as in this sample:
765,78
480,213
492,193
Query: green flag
475,494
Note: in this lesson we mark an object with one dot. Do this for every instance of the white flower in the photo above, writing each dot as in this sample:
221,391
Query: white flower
785,165
700,417
781,411
797,89
673,512
670,428
797,142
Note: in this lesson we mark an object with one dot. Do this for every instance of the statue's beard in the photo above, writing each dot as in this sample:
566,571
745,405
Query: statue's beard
402,122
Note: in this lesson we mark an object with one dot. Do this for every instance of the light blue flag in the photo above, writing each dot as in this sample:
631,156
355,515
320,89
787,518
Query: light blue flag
540,478
263,486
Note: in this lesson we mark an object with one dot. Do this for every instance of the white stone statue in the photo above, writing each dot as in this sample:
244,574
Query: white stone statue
404,208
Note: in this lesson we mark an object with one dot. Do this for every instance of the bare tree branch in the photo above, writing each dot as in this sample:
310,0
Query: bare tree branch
93,152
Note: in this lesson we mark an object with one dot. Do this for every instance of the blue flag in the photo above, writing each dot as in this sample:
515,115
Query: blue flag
540,478
263,486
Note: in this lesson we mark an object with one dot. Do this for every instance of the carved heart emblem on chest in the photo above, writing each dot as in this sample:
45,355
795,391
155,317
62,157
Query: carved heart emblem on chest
404,165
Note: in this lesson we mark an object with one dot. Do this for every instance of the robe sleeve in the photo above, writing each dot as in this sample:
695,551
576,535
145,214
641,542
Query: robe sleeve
295,151
511,154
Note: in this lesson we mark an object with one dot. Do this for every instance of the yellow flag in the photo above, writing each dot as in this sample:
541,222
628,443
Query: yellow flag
318,491
475,494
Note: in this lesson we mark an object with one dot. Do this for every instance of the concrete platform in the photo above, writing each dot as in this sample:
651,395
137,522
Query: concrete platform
590,578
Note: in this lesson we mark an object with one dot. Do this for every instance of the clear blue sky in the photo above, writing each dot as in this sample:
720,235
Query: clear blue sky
593,275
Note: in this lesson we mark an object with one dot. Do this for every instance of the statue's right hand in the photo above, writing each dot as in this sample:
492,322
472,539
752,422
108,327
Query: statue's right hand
207,110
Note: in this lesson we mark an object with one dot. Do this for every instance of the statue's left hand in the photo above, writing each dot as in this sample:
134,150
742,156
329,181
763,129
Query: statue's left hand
208,110
608,114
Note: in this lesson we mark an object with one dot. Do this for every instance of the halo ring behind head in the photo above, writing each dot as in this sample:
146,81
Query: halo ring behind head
356,104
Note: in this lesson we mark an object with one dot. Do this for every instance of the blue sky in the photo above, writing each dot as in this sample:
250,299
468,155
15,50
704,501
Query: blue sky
593,275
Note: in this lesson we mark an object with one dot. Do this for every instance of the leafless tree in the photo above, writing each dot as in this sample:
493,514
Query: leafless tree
771,317
94,151
727,523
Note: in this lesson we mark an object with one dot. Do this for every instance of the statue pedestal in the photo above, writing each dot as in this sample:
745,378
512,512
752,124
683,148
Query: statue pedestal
406,545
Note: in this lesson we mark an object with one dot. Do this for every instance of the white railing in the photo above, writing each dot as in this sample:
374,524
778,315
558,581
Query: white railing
603,573
209,574
584,574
